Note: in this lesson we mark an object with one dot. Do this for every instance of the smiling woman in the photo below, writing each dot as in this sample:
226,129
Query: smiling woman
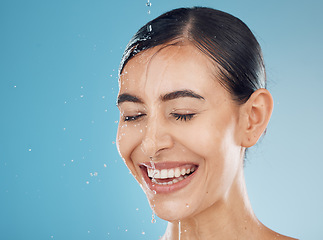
192,99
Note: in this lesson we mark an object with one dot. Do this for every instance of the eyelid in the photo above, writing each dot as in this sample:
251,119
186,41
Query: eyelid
183,117
130,118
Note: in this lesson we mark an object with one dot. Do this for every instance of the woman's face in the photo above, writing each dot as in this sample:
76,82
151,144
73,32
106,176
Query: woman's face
178,131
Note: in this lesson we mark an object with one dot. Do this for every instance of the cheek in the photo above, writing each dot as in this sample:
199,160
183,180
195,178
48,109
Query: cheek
201,137
129,137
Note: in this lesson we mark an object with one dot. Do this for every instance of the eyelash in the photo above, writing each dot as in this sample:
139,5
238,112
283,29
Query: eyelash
132,118
181,117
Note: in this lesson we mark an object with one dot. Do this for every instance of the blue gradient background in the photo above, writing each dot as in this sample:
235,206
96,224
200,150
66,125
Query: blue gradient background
60,173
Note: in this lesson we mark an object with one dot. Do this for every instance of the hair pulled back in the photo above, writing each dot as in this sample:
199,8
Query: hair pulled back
220,36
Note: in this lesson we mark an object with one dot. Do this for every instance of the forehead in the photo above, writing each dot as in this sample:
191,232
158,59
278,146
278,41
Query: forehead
163,69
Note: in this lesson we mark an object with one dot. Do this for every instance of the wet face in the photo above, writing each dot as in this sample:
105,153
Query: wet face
178,131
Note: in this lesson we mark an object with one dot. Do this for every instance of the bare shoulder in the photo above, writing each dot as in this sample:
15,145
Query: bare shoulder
281,237
276,236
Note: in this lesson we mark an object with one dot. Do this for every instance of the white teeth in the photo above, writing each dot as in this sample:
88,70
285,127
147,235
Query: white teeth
163,174
170,173
177,172
156,173
150,172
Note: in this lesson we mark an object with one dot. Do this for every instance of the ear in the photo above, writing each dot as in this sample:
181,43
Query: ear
255,115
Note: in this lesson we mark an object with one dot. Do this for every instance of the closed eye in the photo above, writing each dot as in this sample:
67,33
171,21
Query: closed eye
183,117
133,118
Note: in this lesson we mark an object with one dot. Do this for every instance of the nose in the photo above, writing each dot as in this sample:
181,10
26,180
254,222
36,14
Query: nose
157,137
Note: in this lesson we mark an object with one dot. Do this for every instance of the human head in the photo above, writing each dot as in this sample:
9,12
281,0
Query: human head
181,50
237,56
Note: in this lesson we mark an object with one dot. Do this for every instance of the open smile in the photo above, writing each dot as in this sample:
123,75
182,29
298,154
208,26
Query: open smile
168,177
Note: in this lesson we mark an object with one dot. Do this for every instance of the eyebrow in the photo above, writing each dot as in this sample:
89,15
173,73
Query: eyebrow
125,97
180,94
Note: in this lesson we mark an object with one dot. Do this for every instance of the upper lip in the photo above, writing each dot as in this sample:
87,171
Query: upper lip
166,165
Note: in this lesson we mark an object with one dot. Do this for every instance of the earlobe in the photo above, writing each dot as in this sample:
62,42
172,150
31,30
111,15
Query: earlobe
256,111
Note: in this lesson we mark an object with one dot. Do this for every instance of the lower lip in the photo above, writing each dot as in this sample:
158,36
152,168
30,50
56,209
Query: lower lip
167,188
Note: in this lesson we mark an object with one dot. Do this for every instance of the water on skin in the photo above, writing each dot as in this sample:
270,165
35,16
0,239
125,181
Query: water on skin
179,230
153,219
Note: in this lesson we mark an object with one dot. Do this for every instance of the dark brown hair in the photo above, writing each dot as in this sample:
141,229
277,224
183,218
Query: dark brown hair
222,37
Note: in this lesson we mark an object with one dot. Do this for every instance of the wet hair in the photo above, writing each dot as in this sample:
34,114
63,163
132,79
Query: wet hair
225,39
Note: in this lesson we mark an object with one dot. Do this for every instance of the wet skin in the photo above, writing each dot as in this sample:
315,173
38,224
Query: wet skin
175,114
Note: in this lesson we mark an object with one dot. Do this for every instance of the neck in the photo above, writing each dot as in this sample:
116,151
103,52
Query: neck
229,218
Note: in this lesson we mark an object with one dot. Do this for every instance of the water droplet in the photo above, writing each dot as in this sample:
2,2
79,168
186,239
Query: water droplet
143,233
153,219
179,230
15,86
104,165
29,149
187,205
148,4
148,12
154,191
87,182
64,129
149,28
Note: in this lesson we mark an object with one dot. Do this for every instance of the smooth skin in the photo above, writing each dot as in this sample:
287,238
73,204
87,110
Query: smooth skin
214,135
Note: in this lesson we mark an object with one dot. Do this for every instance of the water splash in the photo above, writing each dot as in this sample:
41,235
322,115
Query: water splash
148,4
153,216
153,219
149,28
179,230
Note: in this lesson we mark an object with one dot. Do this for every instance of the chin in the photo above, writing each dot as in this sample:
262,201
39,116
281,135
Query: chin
172,208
